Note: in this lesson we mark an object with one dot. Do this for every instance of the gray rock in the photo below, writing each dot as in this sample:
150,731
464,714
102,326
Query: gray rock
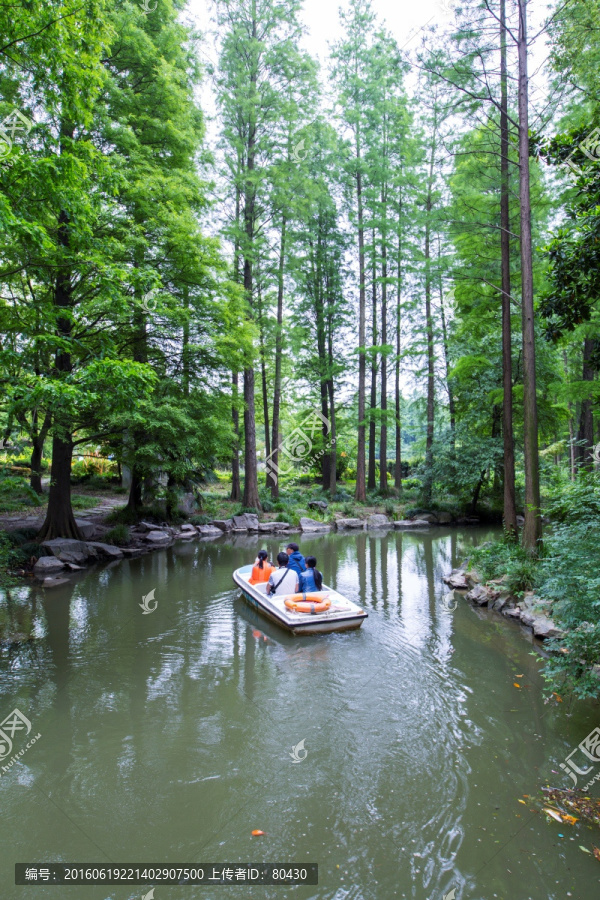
431,518
223,524
311,525
349,524
403,524
76,559
378,521
271,527
444,518
158,537
317,504
482,595
520,521
86,528
513,612
504,600
133,551
47,564
188,527
208,531
106,550
457,580
245,522
148,526
543,627
66,545
185,535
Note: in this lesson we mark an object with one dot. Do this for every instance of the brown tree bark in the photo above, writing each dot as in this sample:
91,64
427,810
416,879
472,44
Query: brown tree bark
510,501
428,481
236,490
371,479
361,491
383,486
532,530
398,424
585,433
274,483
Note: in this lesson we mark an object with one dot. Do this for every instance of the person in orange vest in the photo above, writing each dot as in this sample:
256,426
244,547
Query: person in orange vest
262,569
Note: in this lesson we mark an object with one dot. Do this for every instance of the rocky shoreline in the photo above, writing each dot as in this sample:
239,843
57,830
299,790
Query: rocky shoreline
68,555
530,610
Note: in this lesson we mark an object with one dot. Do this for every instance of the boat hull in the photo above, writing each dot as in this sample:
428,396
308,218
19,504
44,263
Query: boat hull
299,623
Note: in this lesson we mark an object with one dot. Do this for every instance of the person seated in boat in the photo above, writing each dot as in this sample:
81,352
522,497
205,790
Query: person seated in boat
312,579
296,561
262,569
283,580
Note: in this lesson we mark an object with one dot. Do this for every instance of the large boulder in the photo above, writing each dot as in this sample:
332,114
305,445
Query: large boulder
444,518
188,527
457,580
317,504
209,531
272,527
544,627
430,518
311,525
86,528
245,522
378,521
48,565
404,524
157,537
223,524
106,550
349,524
67,545
482,595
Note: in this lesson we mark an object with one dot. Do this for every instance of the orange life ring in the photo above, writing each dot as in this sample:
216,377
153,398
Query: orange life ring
307,603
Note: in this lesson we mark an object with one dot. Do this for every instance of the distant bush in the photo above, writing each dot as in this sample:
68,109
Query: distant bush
119,536
341,496
15,492
201,520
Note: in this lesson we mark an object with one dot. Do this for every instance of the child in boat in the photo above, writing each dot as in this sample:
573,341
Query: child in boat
296,561
284,580
312,579
262,569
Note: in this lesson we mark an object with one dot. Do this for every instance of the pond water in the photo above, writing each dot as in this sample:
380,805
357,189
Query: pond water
168,737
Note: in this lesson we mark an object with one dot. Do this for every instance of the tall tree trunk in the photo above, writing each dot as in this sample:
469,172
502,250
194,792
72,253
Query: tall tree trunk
38,438
331,389
428,482
585,434
185,347
274,482
572,465
510,501
263,368
251,498
398,411
60,521
451,401
532,530
383,486
236,490
361,492
371,480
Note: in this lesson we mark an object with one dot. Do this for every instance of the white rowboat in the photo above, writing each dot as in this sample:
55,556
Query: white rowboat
342,615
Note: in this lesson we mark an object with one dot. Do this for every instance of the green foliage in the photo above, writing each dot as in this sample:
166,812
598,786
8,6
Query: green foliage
119,536
16,493
201,520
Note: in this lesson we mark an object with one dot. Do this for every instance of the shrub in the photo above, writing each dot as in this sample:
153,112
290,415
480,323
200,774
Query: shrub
200,520
119,536
341,496
349,510
390,509
15,492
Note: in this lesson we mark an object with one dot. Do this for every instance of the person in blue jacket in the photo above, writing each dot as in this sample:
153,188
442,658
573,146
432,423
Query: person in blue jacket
296,561
312,579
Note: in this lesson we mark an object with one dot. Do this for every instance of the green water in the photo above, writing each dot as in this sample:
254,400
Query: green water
167,737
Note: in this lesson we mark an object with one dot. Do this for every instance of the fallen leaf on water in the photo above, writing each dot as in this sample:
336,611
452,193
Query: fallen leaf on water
257,832
558,697
570,820
585,849
516,685
523,802
553,813
518,676
596,853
